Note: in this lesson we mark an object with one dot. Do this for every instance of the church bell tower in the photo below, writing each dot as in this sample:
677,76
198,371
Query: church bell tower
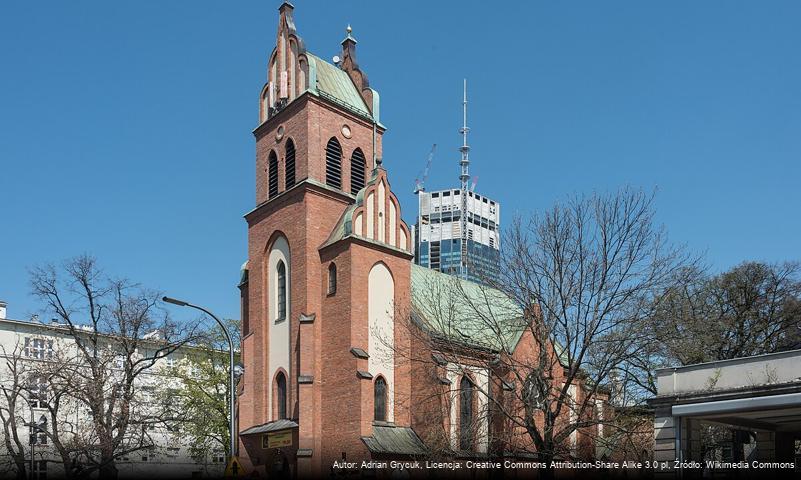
328,267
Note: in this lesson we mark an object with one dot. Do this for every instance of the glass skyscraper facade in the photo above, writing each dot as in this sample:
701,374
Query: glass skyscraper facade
438,234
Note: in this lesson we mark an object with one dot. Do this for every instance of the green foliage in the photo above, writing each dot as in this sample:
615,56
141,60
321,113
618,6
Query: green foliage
203,398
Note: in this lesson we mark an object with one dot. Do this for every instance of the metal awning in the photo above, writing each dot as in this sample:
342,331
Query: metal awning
767,402
273,426
394,440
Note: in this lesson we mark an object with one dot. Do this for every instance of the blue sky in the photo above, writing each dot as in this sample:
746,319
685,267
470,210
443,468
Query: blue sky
125,128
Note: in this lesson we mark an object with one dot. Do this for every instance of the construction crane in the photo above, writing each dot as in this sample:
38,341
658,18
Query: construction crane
473,185
420,181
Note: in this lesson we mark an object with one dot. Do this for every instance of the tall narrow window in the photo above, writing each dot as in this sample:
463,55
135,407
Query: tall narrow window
290,163
380,401
280,395
38,431
39,470
333,164
357,167
332,279
272,173
466,414
281,277
37,392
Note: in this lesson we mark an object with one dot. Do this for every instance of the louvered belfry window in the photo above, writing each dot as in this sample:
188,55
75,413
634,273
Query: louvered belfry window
272,172
357,166
333,164
290,164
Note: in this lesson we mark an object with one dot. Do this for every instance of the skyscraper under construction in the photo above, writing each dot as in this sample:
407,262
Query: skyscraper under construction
458,230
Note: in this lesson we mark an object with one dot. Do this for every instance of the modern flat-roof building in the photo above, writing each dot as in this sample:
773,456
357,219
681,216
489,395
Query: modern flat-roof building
757,399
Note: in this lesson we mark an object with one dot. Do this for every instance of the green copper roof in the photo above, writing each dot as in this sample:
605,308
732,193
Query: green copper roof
465,311
336,85
394,440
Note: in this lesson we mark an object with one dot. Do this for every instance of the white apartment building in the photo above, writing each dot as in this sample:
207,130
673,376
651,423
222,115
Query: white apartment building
34,342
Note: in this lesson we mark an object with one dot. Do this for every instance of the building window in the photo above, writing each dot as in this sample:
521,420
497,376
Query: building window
40,470
170,362
280,395
333,164
380,400
290,163
332,279
218,456
38,348
37,392
38,432
272,174
281,283
172,452
466,414
357,171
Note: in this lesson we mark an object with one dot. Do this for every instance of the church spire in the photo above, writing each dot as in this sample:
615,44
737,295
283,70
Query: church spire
349,37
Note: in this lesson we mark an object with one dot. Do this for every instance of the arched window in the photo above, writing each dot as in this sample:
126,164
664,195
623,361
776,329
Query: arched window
272,173
466,414
380,400
333,163
290,163
357,167
332,279
280,395
281,283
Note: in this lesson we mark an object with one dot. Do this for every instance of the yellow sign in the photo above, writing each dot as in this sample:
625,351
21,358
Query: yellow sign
277,439
234,469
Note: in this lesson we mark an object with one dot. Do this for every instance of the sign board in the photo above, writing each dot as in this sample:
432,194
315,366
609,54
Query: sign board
234,468
277,439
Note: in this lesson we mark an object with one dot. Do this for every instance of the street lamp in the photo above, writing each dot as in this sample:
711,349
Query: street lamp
231,387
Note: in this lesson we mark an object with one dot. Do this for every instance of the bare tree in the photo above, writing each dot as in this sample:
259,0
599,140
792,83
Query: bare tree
577,288
12,403
115,332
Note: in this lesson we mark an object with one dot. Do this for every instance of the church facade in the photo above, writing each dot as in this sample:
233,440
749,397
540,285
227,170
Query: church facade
343,358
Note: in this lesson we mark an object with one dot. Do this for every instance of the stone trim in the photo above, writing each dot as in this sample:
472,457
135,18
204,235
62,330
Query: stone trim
359,353
305,379
364,374
307,318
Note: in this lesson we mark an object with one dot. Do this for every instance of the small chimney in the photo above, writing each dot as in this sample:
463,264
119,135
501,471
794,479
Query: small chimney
3,306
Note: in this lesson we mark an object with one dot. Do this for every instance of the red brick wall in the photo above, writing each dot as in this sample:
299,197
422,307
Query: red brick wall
310,123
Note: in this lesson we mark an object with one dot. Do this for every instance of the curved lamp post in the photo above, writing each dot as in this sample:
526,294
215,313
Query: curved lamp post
231,385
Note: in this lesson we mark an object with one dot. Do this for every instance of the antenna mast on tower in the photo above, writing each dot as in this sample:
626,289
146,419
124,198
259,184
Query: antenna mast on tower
464,178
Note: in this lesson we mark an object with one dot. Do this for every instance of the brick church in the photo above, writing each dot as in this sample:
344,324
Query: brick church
343,358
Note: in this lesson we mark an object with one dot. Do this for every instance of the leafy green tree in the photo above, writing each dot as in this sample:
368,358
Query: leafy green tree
203,395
